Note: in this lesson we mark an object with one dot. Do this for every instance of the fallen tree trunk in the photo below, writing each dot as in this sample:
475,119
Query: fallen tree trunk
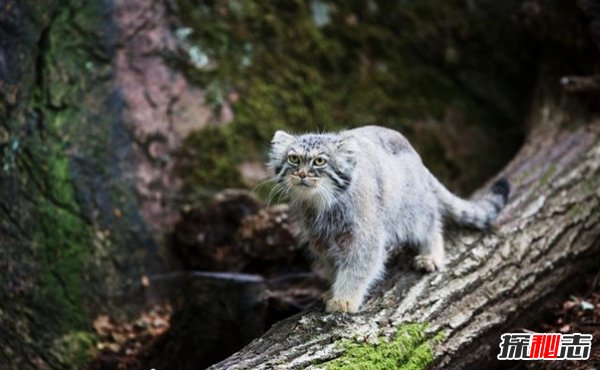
546,237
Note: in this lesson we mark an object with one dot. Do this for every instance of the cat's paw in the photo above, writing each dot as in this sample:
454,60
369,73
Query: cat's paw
428,263
341,305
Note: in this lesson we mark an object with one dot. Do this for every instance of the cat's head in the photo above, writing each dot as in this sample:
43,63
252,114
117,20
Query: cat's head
314,168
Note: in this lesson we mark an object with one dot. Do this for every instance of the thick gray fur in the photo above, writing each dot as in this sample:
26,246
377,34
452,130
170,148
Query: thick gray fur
372,193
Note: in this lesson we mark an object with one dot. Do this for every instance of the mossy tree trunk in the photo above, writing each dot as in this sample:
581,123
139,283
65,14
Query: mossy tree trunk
72,239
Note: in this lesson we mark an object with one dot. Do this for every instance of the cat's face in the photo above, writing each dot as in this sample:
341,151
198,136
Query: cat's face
315,167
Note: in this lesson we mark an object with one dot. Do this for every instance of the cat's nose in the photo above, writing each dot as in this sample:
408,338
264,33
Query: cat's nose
302,174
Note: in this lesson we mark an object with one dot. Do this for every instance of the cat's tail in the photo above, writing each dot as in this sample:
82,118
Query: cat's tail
478,213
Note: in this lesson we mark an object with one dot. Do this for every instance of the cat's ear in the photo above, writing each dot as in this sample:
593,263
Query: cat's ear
280,144
282,138
348,146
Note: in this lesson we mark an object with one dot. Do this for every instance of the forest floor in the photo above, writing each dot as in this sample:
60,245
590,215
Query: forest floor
577,313
121,343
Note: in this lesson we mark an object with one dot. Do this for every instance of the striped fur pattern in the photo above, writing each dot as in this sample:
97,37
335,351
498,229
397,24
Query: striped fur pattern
361,192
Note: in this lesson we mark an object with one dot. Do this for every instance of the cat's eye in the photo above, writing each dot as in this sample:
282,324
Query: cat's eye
293,159
319,161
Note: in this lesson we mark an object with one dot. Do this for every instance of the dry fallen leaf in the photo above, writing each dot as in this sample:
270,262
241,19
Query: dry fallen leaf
145,281
102,325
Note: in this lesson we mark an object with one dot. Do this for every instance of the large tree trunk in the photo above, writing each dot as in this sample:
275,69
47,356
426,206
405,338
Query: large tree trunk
546,237
83,178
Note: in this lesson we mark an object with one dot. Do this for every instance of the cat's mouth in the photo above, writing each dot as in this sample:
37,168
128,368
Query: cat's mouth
304,182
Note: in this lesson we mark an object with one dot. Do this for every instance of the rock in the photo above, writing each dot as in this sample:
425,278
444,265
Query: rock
237,233
219,313
204,236
269,240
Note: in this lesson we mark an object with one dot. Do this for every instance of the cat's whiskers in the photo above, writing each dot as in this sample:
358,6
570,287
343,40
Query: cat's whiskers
276,190
285,192
262,183
325,195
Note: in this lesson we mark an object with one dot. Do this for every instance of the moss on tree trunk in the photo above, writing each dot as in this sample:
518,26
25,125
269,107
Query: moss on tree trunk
67,213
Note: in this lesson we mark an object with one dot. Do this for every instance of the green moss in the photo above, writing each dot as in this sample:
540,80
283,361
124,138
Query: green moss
75,349
410,349
64,241
550,171
209,158
62,238
389,63
522,178
575,210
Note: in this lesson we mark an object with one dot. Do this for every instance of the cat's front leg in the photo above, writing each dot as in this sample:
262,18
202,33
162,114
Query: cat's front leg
359,266
329,271
323,265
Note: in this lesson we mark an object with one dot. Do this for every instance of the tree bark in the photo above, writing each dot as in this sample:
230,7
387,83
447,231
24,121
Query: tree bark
545,238
78,220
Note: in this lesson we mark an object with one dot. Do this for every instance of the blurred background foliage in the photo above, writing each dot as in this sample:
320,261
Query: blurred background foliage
449,74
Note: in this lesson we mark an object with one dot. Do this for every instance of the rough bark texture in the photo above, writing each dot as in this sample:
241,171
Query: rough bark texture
77,216
546,237
161,106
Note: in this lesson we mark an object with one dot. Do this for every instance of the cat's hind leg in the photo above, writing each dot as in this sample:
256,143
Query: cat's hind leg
431,255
